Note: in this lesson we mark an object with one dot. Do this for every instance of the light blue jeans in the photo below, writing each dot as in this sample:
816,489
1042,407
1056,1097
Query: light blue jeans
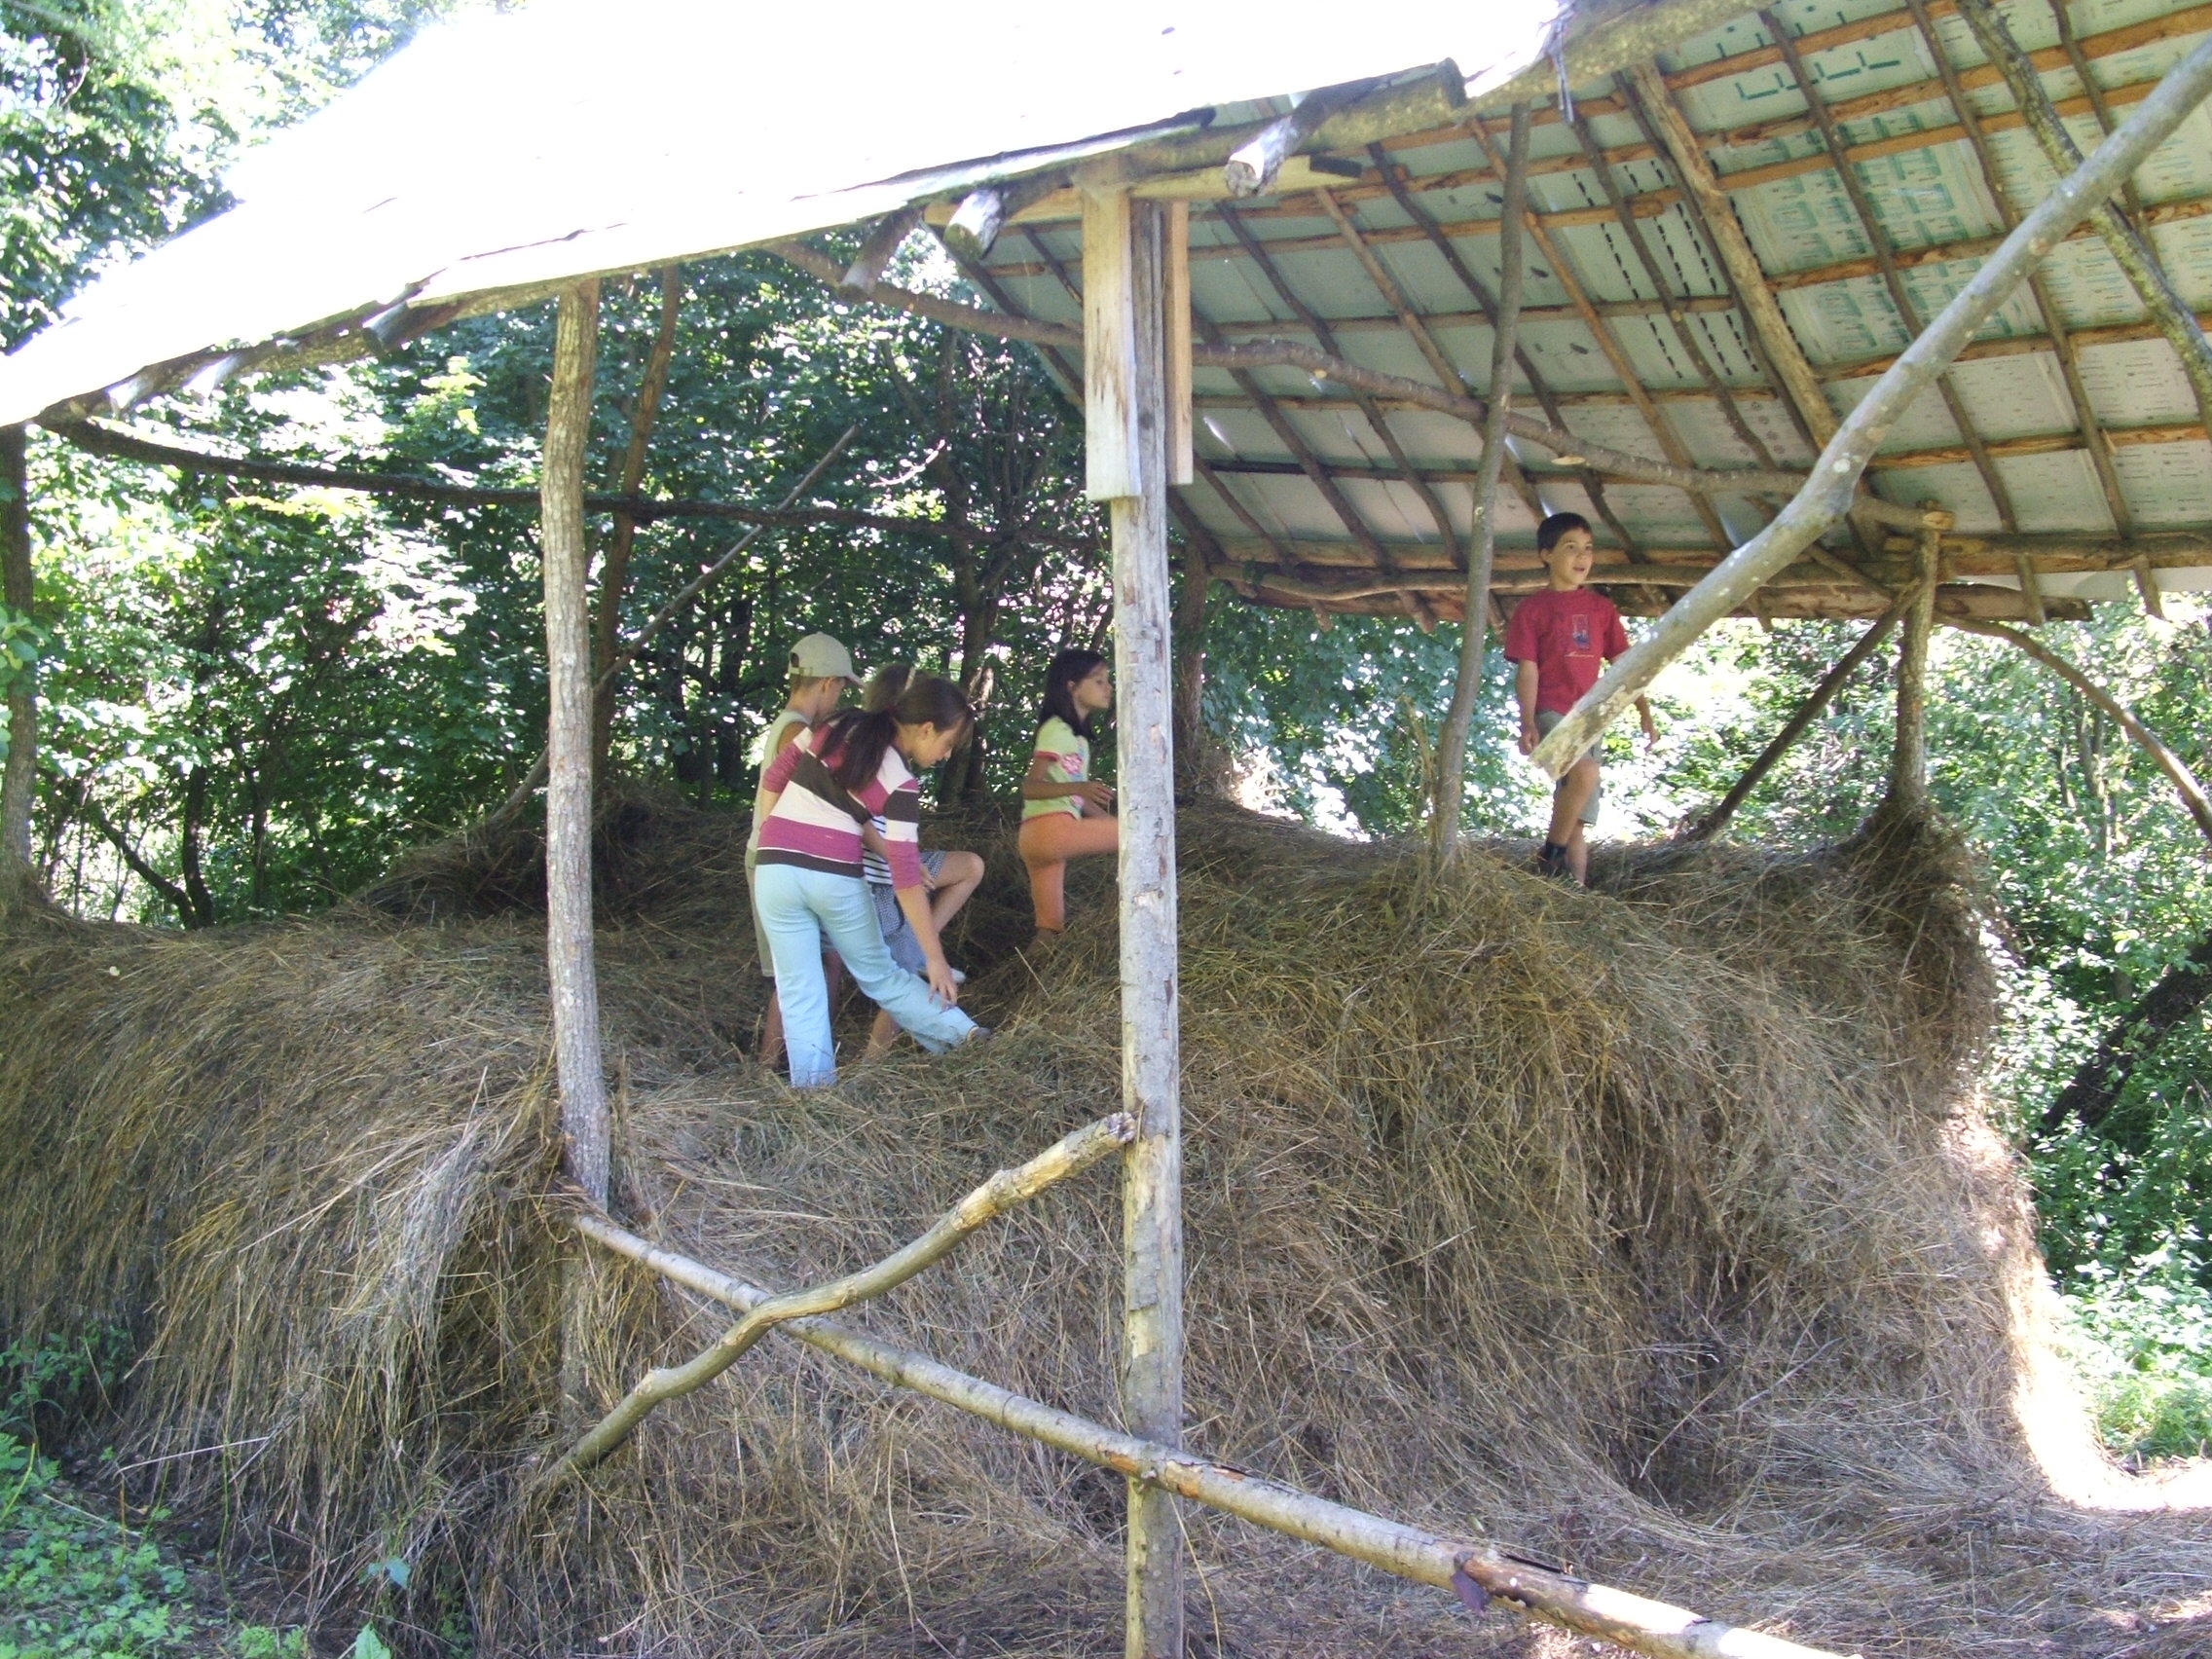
796,909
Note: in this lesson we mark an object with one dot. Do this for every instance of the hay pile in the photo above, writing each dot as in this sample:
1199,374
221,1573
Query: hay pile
1655,1229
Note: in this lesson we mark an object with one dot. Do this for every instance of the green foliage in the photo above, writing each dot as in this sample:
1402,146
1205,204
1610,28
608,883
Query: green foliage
80,1585
2145,1349
47,1386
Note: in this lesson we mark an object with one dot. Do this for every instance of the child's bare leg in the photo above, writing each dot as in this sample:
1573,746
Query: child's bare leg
1573,796
1567,801
883,1034
772,1032
957,882
1578,855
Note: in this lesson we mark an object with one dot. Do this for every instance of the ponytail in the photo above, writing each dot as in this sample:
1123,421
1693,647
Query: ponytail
853,743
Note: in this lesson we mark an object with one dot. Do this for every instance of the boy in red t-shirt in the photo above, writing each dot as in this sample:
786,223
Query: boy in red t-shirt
1560,639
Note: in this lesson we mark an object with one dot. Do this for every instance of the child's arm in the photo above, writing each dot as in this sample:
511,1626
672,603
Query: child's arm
1038,785
1644,718
1524,693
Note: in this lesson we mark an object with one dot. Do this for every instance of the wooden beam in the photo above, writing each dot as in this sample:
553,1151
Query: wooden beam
1253,167
1792,371
1908,756
2053,319
1714,817
2176,769
1827,495
1878,238
1669,303
1124,285
1005,1191
885,237
2132,253
587,1135
1559,1598
1474,612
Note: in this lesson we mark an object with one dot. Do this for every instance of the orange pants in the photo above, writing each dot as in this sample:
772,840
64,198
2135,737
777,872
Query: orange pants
1047,845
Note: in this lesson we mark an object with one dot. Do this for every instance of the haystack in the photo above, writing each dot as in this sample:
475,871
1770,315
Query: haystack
1656,1228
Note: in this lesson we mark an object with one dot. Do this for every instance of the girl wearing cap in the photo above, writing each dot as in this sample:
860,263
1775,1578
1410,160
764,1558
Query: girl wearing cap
820,795
1064,815
821,668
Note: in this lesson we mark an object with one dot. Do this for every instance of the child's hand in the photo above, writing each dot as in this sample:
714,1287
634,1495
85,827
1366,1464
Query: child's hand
1098,797
1528,737
942,985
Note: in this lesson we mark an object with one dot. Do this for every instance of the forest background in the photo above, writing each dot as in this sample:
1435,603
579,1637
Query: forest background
253,697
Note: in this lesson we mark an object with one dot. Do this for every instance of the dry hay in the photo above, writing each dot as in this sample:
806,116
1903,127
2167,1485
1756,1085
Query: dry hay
1656,1228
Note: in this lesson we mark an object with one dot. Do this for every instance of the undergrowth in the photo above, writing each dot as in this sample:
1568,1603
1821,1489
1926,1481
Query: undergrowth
79,1585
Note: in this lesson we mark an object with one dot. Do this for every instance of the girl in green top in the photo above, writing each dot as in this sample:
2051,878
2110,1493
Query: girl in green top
1064,815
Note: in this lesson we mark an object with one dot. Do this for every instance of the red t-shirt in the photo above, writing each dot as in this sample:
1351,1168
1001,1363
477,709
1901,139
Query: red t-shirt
1570,637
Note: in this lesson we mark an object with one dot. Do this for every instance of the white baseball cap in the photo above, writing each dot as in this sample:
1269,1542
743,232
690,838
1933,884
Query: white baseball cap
818,656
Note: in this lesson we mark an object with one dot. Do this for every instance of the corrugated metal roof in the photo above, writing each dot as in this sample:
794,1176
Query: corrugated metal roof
577,138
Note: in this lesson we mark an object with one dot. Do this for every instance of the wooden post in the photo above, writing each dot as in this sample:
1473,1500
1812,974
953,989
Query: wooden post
1128,429
1908,761
1713,822
584,1129
19,785
1474,627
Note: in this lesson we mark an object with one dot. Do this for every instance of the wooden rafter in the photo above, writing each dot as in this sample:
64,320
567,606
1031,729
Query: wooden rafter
2122,234
1377,422
1563,272
1745,276
1878,238
1487,312
1668,302
2092,429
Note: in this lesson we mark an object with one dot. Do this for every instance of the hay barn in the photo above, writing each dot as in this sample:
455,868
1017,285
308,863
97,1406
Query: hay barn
1473,1234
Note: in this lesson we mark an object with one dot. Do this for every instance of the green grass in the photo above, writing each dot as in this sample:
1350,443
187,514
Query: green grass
79,1585
2145,1349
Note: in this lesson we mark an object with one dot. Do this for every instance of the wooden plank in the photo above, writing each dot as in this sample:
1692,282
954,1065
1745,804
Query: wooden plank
587,1135
1111,440
1125,340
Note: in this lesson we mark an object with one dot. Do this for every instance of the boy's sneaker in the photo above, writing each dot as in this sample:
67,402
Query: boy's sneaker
958,978
1551,860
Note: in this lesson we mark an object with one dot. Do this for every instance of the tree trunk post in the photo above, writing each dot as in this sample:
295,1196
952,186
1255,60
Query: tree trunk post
1713,821
1194,756
1127,439
585,1132
19,783
1908,761
1474,628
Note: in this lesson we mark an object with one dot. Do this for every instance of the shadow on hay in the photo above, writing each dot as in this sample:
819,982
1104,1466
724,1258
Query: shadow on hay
1657,1228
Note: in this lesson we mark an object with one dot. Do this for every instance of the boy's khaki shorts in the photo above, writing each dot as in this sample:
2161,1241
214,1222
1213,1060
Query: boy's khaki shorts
1545,720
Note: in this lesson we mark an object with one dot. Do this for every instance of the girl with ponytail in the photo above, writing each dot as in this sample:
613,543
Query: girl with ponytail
819,799
1064,815
950,875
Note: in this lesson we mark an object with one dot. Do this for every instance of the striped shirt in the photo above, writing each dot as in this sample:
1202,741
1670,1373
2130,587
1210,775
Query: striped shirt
817,822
